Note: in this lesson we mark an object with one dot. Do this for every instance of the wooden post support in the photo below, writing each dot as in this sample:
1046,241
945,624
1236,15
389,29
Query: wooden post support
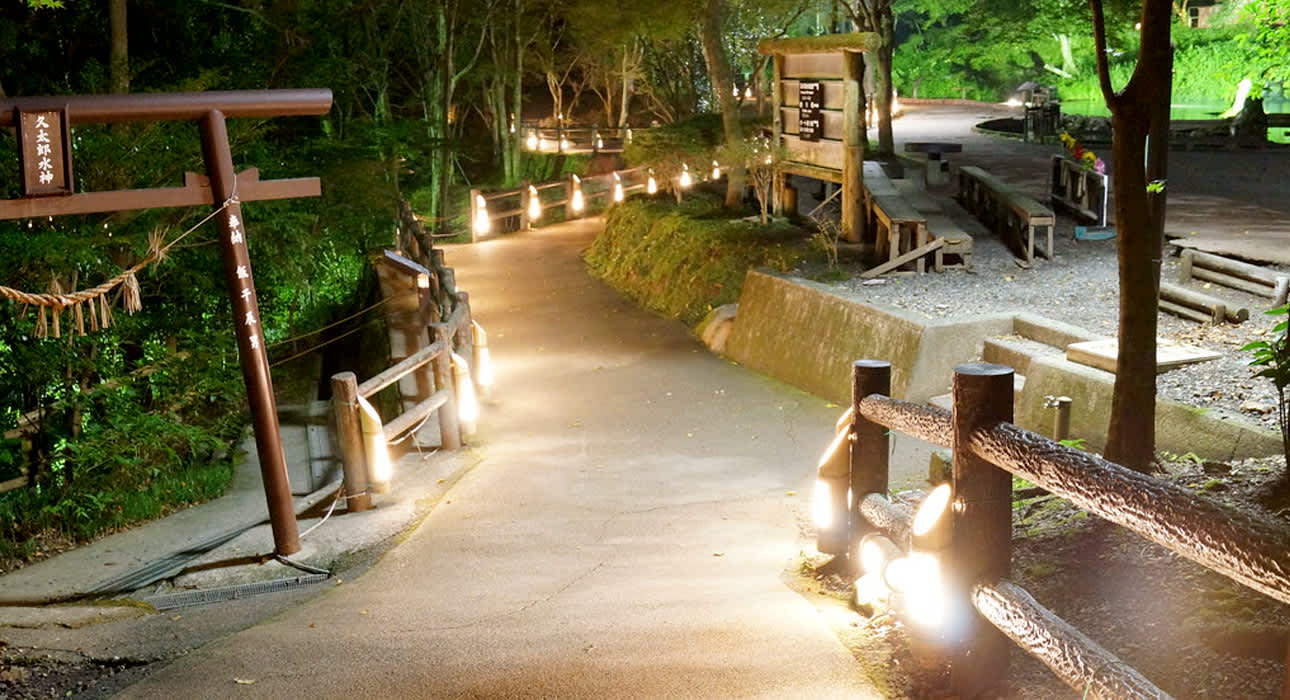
449,421
853,136
777,126
524,205
344,403
981,547
869,446
465,336
250,339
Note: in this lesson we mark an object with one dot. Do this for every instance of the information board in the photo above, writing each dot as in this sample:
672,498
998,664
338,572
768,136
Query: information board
810,117
44,155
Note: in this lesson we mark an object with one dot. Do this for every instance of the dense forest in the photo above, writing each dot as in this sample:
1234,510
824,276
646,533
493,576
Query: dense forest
122,423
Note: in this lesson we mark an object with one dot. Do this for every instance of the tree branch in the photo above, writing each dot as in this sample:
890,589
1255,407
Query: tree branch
1103,69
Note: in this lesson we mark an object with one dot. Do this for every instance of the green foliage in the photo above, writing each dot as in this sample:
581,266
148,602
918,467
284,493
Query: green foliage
683,261
1270,37
664,148
1273,356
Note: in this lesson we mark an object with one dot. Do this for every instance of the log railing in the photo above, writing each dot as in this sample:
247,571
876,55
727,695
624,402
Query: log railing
527,206
971,540
441,381
575,139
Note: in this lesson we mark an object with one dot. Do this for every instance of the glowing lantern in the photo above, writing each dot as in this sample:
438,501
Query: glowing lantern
576,198
467,403
716,171
618,188
531,142
651,185
686,181
482,223
535,204
379,467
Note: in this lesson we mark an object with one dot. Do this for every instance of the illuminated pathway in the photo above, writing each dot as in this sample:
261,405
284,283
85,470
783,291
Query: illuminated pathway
624,535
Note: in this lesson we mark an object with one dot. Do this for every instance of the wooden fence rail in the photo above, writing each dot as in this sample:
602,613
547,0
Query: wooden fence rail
526,205
575,139
438,392
988,450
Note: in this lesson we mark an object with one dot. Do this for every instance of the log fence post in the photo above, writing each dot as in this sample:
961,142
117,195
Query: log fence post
870,440
349,435
981,525
524,206
449,421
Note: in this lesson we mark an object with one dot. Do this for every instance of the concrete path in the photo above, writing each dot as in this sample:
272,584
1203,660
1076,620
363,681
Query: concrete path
624,535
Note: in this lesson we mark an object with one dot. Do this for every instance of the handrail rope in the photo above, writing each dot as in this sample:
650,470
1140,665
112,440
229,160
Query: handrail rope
352,316
325,343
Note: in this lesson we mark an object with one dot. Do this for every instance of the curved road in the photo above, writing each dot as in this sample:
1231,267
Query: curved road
625,534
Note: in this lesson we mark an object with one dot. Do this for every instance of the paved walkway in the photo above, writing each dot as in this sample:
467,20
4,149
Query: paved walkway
625,533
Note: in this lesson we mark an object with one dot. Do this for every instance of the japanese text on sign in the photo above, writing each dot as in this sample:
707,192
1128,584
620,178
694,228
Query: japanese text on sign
810,114
46,167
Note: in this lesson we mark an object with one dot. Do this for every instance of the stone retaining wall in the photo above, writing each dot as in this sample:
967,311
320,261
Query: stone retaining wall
803,334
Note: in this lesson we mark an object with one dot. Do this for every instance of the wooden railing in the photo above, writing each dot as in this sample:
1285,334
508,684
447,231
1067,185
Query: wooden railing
970,537
526,206
575,139
440,386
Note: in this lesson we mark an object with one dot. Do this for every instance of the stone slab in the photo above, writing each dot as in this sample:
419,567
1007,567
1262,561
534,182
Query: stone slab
1101,354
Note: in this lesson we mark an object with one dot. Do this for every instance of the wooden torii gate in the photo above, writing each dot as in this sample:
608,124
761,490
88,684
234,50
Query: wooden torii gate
44,141
818,99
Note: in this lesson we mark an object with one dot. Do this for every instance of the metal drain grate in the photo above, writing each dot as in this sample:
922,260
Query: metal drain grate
245,590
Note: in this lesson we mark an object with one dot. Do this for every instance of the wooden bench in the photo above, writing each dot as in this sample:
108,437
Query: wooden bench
958,243
1006,211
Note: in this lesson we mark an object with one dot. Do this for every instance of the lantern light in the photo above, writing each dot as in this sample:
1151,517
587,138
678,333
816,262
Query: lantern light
483,359
576,201
822,505
377,451
512,122
618,188
467,403
531,142
748,92
628,136
482,223
686,181
535,204
716,171
651,185
541,145
564,144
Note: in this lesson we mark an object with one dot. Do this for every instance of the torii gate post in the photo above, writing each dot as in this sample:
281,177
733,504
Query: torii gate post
49,192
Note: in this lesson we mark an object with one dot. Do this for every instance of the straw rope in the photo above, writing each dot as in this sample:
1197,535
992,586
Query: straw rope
95,298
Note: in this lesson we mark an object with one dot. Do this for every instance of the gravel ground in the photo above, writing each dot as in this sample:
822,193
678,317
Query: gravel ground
1079,286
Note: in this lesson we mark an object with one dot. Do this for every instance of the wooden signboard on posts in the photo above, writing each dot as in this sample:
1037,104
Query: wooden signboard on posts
818,86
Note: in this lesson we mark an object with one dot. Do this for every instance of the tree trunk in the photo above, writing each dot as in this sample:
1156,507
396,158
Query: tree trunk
626,97
119,52
1142,108
714,54
882,82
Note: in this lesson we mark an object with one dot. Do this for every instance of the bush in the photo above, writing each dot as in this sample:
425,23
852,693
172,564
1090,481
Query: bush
683,261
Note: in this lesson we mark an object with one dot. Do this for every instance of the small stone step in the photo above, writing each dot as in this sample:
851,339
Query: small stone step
946,401
1015,351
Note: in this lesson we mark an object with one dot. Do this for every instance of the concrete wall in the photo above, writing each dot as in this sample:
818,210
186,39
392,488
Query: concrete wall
802,334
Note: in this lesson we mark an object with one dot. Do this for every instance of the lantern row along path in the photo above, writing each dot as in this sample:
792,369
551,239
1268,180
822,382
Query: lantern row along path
625,533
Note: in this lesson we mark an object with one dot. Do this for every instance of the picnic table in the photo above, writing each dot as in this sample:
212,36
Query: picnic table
937,169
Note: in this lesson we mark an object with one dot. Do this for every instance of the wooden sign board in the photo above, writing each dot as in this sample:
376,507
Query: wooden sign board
810,113
44,154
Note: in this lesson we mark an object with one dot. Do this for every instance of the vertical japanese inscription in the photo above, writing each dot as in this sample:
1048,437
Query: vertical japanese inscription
810,115
44,154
